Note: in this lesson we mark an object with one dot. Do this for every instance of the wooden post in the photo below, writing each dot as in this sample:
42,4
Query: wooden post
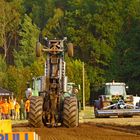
83,87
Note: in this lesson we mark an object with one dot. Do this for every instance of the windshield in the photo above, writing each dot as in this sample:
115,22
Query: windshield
115,90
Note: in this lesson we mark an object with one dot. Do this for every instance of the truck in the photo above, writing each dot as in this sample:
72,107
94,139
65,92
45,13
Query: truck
115,102
53,101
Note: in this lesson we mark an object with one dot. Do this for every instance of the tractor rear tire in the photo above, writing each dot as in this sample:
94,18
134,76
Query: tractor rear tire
70,112
35,114
38,49
70,49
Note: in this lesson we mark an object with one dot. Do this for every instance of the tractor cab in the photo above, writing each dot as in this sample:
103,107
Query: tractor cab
72,88
35,87
115,89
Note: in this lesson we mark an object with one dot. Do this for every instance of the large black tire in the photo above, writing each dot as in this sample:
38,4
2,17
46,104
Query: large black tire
70,112
70,49
38,49
35,114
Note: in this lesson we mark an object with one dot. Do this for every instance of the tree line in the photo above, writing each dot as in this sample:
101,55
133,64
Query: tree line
105,35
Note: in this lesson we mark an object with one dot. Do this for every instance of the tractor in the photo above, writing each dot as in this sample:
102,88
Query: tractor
115,102
53,101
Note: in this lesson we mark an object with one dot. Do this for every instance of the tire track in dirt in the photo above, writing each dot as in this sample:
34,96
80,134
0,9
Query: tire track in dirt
118,128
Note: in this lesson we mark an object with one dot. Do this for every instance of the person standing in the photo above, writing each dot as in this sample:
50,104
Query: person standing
22,110
1,102
5,110
12,109
0,112
27,107
17,109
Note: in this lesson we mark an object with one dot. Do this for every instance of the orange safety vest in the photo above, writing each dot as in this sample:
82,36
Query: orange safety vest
0,107
5,108
27,105
1,102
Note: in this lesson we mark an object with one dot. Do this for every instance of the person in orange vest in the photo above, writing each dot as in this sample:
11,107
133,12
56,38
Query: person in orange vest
0,112
17,108
27,108
5,110
12,108
1,102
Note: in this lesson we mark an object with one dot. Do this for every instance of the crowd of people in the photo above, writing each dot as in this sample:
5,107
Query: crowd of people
11,109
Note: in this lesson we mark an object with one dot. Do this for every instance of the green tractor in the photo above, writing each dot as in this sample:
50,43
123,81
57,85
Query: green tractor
53,101
115,102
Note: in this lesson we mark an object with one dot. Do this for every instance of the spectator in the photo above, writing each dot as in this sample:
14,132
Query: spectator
5,110
1,102
15,100
27,107
12,109
17,108
0,112
22,110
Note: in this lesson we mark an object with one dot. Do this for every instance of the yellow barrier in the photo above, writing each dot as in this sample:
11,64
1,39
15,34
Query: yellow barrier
7,134
19,136
5,126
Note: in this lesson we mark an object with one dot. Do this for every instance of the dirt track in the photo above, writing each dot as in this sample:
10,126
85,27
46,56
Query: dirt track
90,129
86,131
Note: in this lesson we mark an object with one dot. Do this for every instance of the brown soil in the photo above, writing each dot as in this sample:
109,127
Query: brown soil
86,131
90,128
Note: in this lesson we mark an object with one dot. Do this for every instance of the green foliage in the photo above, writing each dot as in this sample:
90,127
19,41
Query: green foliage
74,71
92,26
16,80
3,68
37,68
29,35
125,59
105,34
27,65
40,11
54,26
9,22
3,65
